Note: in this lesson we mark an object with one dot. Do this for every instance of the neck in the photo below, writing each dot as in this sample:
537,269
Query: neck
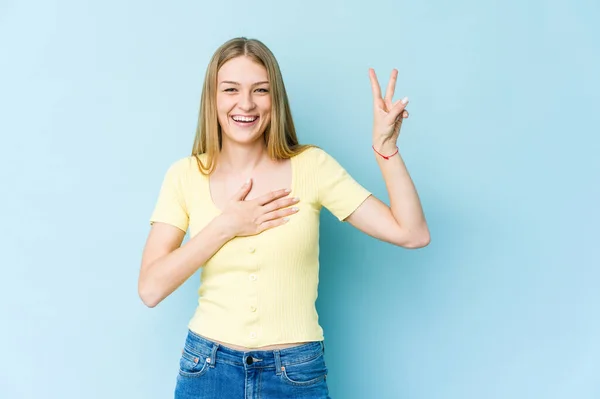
242,159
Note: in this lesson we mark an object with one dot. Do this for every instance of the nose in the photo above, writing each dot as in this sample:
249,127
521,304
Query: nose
246,102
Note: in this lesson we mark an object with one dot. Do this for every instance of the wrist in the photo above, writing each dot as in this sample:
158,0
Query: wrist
385,151
222,228
384,146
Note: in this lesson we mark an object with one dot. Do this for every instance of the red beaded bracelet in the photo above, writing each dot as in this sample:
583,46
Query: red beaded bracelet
386,157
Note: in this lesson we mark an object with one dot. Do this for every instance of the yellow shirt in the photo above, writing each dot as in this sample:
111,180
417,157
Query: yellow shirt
261,290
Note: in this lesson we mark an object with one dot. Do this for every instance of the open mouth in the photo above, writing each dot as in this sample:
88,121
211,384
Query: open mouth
243,120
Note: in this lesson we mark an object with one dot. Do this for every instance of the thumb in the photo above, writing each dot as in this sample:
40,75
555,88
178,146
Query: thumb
243,191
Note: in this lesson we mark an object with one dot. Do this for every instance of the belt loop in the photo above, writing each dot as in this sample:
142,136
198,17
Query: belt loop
277,362
213,358
323,346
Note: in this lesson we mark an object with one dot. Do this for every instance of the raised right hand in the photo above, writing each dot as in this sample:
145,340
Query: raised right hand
246,218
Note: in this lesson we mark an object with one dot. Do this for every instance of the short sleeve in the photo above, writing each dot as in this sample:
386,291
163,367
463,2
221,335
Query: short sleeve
171,206
338,191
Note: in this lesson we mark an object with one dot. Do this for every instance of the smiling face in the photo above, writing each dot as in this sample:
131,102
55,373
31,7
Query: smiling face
243,100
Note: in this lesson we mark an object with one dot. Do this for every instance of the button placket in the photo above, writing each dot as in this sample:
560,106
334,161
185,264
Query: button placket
253,290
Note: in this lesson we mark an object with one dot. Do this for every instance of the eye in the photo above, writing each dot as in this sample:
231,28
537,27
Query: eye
230,90
262,90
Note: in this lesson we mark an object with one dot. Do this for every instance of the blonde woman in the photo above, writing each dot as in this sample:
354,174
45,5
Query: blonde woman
250,196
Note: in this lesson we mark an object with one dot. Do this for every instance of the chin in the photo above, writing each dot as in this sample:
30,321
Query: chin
242,137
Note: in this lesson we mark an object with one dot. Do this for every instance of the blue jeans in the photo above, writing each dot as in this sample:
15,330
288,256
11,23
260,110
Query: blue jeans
209,370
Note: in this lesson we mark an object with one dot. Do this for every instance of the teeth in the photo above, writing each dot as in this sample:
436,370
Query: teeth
244,118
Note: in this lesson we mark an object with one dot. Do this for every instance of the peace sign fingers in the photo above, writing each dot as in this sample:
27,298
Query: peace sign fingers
384,104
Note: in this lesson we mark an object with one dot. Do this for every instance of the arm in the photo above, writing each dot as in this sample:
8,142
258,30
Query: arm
403,223
166,264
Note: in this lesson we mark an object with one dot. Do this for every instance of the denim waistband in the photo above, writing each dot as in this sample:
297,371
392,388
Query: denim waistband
203,347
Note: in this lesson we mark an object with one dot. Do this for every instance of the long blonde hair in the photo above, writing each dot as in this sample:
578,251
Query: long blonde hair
280,135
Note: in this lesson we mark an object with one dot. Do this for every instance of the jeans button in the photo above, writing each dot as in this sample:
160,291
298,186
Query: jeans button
249,360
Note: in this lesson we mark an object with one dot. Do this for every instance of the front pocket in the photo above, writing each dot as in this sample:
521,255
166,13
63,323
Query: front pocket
305,374
192,365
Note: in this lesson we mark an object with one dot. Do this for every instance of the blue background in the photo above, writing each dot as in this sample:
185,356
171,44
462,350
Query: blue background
98,98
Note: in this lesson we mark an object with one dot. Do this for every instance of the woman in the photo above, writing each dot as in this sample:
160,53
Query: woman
250,195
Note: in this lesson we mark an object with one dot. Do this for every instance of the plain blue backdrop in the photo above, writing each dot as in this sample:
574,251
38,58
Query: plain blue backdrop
97,99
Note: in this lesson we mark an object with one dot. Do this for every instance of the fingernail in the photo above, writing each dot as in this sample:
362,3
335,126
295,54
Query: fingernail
296,199
405,100
287,190
247,181
295,209
286,219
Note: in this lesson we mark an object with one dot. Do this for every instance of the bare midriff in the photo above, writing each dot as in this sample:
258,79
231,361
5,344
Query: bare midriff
262,348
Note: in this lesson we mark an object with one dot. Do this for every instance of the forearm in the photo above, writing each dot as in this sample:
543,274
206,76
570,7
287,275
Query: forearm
404,199
170,271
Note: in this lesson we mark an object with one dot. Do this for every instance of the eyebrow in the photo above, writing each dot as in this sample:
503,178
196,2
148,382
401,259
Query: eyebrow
237,84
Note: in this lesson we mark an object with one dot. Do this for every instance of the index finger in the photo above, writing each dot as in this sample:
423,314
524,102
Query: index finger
375,84
271,196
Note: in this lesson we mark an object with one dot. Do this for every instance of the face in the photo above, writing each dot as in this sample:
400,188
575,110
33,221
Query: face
243,100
